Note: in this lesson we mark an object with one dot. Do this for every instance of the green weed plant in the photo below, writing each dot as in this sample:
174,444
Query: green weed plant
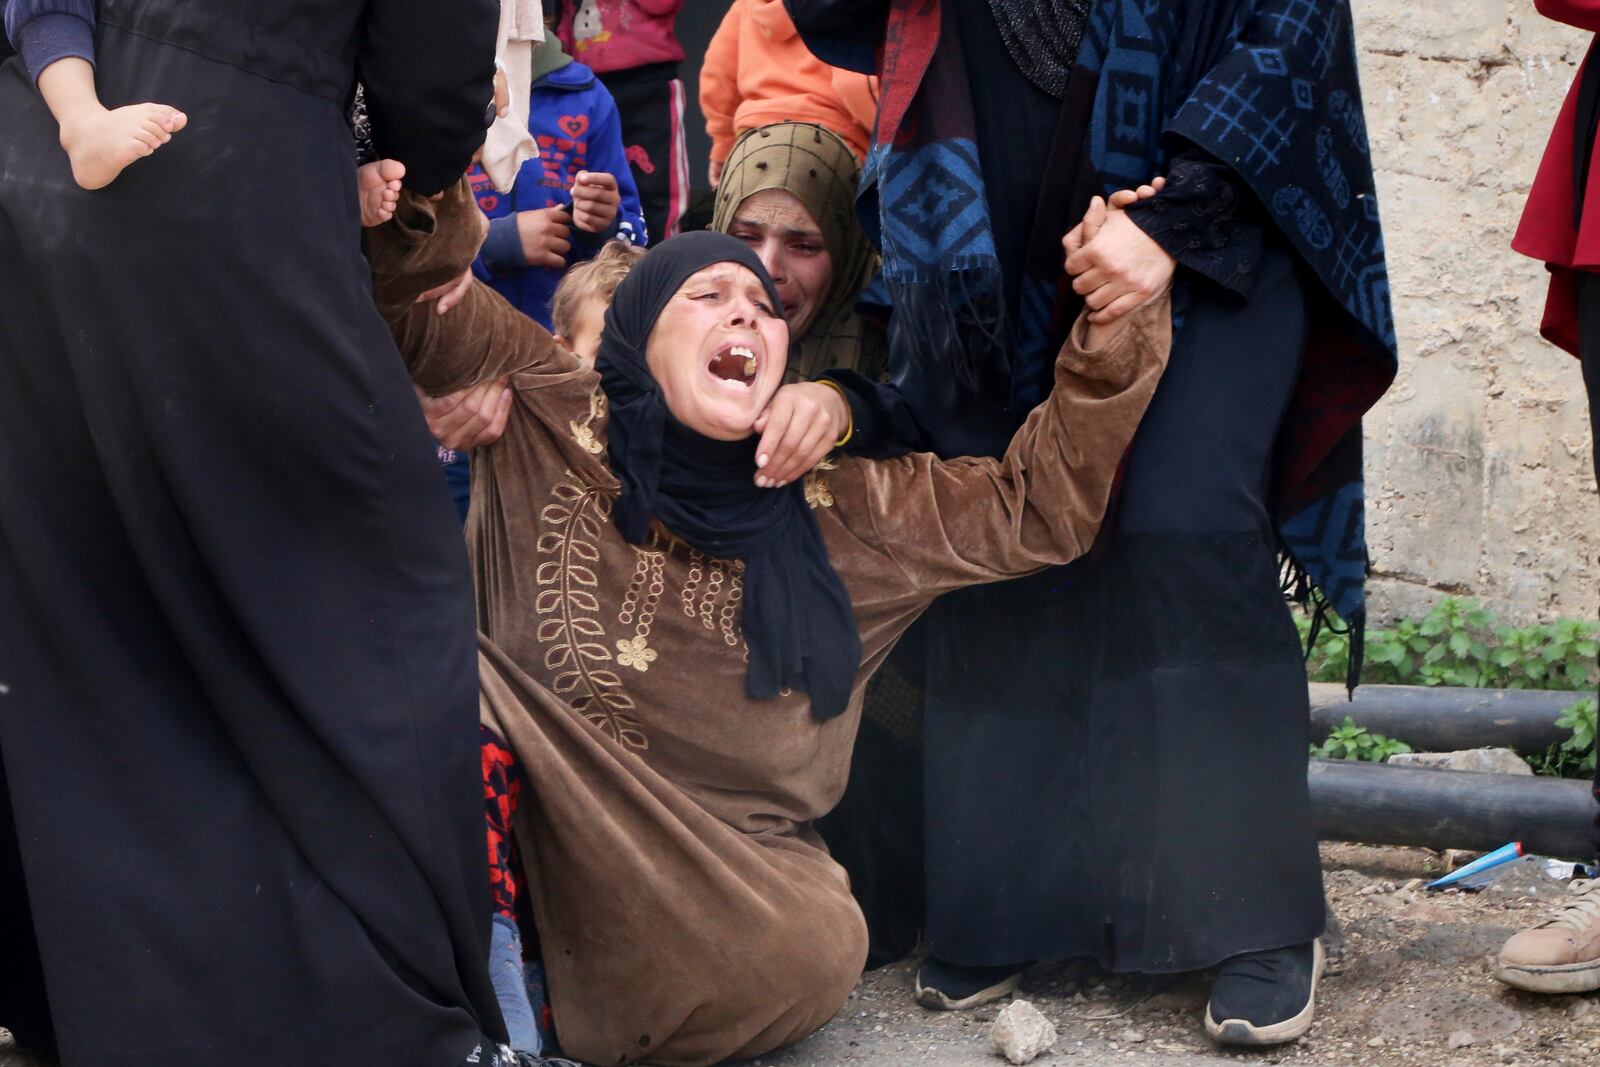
1459,643
1350,741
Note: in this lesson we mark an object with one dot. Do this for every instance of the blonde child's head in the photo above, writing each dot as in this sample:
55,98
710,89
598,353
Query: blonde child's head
578,307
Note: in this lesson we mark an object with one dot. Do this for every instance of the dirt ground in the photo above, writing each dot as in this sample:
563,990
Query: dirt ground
1409,985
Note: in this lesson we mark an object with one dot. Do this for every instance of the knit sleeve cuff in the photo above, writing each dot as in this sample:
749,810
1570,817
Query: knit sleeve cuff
52,37
502,249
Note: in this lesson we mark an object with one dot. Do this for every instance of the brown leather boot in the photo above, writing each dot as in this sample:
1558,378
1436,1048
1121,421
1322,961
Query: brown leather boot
1561,954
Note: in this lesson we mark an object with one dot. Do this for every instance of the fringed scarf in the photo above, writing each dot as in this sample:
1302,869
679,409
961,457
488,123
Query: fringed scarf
1269,87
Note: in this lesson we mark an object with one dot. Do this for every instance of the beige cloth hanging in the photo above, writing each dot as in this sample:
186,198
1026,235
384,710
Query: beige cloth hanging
509,144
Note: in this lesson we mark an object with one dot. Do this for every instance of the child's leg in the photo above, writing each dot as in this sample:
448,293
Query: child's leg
651,103
99,142
502,782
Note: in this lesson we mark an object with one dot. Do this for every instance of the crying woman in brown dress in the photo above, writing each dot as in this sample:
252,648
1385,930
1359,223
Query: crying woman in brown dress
677,656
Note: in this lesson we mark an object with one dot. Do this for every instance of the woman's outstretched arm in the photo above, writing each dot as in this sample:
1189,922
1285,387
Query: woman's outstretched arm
952,523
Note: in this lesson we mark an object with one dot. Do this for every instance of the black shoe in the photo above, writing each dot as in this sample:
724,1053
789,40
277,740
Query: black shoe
945,986
1265,998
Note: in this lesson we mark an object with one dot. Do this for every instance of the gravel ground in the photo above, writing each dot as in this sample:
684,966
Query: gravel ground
1409,985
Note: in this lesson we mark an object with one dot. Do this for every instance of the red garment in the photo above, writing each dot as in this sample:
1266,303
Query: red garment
612,35
502,787
1547,231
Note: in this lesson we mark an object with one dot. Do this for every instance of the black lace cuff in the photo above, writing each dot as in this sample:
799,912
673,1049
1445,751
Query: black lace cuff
1206,219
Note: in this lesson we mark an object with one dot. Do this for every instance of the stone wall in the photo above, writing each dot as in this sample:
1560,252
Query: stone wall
1478,471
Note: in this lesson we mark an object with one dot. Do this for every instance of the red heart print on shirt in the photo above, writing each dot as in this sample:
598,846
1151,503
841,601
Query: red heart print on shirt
573,126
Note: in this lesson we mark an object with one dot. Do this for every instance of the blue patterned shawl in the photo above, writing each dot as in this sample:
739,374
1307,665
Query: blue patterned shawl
1268,87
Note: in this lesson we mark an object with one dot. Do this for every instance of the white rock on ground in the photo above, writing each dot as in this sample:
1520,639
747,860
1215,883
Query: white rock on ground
1021,1032
1490,760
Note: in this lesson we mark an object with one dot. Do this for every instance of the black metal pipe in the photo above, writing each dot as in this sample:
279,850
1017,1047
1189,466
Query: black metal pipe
1443,719
1377,804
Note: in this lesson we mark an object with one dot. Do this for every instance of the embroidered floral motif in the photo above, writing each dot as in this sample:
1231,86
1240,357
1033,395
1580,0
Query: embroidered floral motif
818,493
578,661
635,652
583,429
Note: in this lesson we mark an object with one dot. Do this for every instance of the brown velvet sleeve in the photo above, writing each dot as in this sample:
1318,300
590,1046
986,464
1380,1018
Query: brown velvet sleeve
958,522
427,244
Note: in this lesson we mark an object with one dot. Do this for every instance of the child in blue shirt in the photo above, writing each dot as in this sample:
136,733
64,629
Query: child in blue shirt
567,203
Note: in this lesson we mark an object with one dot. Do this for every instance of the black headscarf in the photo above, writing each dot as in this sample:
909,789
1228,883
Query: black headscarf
797,619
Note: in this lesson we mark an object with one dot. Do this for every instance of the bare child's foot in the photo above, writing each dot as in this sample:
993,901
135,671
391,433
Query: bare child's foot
101,143
378,189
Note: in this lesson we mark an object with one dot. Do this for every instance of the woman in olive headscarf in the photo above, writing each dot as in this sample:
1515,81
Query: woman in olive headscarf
788,190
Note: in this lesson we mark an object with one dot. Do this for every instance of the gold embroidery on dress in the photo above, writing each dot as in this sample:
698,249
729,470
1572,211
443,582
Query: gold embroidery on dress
730,610
691,584
635,652
583,429
708,605
818,492
649,579
712,588
576,655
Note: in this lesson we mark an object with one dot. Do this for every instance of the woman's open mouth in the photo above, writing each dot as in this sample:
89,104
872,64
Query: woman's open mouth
735,364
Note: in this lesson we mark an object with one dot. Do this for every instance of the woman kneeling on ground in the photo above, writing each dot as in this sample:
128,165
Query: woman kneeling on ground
677,655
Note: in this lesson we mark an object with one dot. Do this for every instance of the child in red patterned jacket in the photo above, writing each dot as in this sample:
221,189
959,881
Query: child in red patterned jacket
632,45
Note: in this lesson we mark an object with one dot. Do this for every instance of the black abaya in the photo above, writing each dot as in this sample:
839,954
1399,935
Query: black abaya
1096,741
1113,754
239,714
1103,796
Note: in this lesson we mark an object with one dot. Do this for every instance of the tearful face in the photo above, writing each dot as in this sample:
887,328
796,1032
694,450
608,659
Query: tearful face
779,229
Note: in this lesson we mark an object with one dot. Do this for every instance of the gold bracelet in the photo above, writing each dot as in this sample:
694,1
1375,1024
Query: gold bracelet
849,416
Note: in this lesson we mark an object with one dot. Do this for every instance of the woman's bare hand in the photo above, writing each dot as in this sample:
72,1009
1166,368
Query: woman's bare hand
798,430
1117,267
449,294
469,418
1099,207
1100,210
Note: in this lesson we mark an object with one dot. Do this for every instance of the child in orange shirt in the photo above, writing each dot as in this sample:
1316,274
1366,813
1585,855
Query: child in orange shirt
757,71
